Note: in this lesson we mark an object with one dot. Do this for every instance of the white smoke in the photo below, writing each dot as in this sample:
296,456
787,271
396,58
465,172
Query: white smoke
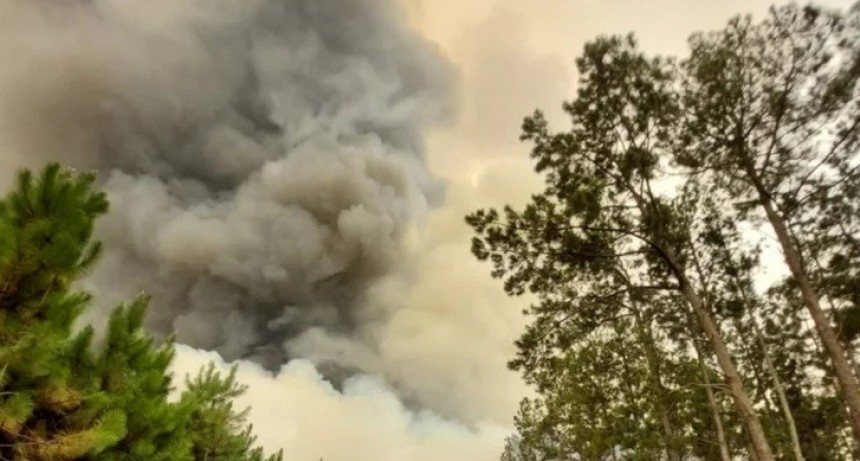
296,409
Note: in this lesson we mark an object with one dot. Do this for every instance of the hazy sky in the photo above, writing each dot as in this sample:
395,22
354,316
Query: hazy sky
512,56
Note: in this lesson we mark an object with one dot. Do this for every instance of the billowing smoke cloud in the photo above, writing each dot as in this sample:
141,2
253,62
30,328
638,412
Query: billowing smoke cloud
364,422
263,157
264,162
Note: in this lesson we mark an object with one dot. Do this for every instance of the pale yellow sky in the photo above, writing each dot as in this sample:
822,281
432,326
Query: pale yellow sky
516,55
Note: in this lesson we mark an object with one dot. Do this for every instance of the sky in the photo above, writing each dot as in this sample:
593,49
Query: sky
401,355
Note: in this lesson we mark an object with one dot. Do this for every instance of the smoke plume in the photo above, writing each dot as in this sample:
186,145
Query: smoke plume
263,157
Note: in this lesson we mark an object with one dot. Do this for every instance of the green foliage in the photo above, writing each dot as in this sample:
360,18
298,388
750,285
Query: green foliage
601,252
132,372
64,398
45,226
645,199
218,432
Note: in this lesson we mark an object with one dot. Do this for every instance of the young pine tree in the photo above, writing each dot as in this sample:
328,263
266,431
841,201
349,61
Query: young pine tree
61,398
46,412
217,431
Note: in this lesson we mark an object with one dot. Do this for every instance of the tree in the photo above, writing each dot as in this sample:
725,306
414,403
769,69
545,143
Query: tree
45,227
730,284
801,364
640,219
63,398
600,218
773,116
217,431
132,372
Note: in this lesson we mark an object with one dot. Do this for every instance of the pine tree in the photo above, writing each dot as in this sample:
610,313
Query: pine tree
218,432
132,372
63,397
773,116
46,226
637,236
600,215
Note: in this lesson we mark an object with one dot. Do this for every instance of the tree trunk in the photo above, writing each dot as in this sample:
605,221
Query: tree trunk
851,352
712,405
751,449
733,379
844,373
742,401
771,371
780,393
656,385
671,451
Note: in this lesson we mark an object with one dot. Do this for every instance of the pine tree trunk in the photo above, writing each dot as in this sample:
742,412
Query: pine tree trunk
751,450
780,394
656,385
712,405
850,350
742,401
771,371
733,379
844,373
712,401
671,451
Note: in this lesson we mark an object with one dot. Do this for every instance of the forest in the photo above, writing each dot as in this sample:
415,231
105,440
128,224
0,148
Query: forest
693,254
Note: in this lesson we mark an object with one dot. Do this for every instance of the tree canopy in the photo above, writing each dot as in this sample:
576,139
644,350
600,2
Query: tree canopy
650,338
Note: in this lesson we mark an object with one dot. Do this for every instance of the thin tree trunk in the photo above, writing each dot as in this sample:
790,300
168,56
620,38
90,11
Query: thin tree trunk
743,403
712,405
753,455
780,392
733,379
706,321
844,373
850,350
852,354
656,384
855,448
771,371
671,451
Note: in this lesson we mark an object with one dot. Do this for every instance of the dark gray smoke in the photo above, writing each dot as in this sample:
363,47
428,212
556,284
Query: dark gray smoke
263,157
